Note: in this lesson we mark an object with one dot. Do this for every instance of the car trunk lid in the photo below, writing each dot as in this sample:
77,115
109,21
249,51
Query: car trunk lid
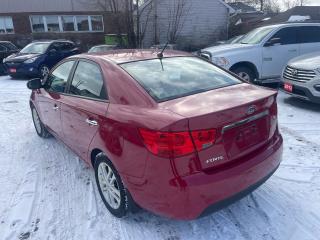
243,115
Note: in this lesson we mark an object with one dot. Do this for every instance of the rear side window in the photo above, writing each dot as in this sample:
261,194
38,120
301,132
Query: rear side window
2,48
58,79
309,34
176,77
88,81
287,35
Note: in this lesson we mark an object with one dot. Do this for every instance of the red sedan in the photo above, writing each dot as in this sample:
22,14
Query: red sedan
172,133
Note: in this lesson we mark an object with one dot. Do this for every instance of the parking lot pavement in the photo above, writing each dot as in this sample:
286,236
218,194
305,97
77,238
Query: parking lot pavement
46,192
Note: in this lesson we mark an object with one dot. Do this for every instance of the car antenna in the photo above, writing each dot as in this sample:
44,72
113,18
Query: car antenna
160,54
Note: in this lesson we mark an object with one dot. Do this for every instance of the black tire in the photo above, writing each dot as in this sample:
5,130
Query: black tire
125,199
241,71
41,129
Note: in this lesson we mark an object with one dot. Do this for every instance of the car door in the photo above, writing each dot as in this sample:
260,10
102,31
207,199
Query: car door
309,38
68,49
277,55
85,106
50,97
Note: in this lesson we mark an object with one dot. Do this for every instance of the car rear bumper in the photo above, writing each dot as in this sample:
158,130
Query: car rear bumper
199,194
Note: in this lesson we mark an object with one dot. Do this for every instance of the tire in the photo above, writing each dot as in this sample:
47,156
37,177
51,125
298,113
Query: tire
44,70
38,125
245,73
108,180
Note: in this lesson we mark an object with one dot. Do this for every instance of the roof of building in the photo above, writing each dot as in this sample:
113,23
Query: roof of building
131,55
298,14
242,7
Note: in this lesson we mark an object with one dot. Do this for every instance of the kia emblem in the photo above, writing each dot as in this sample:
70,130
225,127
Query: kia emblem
251,110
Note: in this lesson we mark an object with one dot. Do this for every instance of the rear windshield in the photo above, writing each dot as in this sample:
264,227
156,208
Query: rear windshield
177,77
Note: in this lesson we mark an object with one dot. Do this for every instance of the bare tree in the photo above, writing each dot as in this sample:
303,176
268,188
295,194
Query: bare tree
293,3
143,17
177,13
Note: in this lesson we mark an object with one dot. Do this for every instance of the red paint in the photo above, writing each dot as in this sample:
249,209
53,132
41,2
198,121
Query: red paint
216,163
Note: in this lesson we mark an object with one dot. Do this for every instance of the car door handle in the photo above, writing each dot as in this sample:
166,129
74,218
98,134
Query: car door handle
92,122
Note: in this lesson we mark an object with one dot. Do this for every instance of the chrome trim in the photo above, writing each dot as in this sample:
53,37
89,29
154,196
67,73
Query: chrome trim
298,75
246,120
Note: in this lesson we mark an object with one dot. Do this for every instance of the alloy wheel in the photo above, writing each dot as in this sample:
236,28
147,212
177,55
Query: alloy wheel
109,185
244,76
44,71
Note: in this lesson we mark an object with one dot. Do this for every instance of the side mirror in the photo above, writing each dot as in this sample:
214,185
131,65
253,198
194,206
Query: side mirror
272,42
34,84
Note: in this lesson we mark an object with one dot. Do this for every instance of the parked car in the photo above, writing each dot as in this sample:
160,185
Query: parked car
102,48
263,53
173,134
37,58
6,49
301,77
232,40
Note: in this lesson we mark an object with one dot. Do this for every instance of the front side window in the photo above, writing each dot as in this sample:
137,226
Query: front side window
257,35
310,34
35,48
176,77
2,48
37,23
9,45
57,80
286,36
88,81
6,25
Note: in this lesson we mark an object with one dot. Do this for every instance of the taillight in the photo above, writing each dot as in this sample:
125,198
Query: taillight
167,144
204,138
176,144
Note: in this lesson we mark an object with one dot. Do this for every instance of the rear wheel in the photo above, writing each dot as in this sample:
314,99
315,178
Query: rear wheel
245,73
110,186
38,125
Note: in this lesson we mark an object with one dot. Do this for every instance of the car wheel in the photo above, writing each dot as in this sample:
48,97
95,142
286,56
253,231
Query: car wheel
38,125
245,73
110,186
44,71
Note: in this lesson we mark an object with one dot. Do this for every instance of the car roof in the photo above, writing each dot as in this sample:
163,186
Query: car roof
288,24
132,55
51,41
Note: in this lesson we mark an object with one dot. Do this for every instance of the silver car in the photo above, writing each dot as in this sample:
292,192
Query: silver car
301,77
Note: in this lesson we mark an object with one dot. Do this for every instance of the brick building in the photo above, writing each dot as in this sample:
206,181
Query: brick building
83,21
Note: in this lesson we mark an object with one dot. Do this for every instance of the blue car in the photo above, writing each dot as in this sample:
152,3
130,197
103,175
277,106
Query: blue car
37,58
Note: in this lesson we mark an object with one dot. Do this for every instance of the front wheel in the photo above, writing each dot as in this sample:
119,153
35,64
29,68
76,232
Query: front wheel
110,186
245,73
44,71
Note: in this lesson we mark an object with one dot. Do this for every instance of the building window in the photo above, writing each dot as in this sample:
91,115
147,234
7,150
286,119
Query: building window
82,23
37,23
6,25
52,23
97,23
66,23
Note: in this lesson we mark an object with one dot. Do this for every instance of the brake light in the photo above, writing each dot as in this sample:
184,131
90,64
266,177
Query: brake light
204,138
167,144
176,144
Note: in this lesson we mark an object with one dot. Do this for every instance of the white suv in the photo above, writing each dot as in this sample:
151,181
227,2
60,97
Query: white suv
263,53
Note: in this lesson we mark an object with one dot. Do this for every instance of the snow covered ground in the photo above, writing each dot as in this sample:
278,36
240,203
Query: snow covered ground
46,192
